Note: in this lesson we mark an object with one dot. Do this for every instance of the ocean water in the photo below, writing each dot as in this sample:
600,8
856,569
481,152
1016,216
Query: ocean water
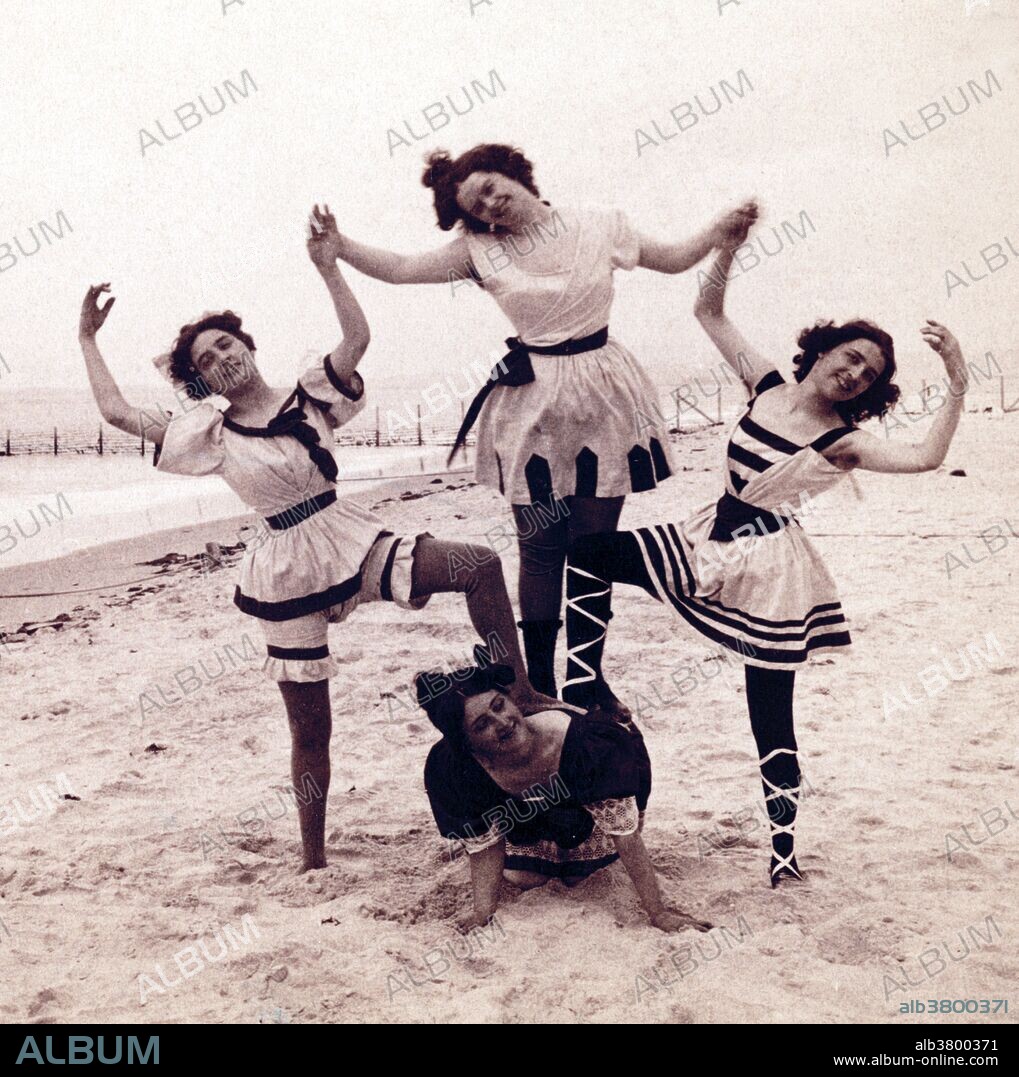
52,506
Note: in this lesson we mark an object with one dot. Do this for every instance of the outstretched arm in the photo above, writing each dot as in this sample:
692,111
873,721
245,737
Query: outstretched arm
709,310
323,248
677,257
486,881
431,267
863,450
148,423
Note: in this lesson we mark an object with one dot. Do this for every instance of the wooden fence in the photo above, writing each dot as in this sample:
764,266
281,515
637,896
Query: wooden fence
103,440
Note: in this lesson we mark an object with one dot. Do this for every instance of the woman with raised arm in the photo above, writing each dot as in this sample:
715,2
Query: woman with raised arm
567,437
531,799
741,571
321,556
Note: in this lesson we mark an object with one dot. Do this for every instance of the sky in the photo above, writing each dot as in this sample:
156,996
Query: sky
215,218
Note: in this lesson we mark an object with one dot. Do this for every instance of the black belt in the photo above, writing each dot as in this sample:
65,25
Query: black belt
731,515
296,513
514,368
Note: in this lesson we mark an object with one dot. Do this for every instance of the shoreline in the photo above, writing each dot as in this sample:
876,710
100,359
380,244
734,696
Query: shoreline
41,590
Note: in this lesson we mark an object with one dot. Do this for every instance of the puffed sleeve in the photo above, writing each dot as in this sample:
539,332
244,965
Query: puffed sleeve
604,760
616,816
454,800
193,443
625,241
340,400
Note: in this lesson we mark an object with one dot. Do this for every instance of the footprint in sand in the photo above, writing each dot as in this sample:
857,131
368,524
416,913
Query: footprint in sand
246,874
43,999
480,966
870,820
727,756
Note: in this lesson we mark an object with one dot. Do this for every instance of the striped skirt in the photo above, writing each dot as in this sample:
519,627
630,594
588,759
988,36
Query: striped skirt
769,598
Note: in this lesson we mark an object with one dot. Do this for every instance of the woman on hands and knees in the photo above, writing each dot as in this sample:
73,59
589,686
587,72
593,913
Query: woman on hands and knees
319,556
547,796
741,571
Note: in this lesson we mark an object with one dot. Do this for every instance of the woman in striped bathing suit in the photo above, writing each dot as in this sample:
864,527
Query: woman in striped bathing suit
741,571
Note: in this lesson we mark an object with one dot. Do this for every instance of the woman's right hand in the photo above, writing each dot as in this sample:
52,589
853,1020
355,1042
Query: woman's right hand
94,314
731,228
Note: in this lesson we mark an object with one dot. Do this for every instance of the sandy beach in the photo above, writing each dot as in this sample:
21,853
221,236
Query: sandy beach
150,846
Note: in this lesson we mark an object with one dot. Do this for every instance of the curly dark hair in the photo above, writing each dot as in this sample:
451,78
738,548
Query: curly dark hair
181,367
444,175
881,395
445,705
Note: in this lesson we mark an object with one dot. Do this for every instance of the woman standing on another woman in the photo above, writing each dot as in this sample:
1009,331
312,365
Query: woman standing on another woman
326,555
565,436
771,598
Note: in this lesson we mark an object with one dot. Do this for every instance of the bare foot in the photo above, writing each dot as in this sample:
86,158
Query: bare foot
466,922
312,865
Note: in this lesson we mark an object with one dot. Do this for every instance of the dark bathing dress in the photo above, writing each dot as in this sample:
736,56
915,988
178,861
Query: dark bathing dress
562,827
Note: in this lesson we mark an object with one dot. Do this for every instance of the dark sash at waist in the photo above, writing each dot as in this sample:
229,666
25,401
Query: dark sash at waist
514,368
296,513
733,515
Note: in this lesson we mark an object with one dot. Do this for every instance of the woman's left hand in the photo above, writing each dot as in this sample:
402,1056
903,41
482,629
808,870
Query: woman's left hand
324,240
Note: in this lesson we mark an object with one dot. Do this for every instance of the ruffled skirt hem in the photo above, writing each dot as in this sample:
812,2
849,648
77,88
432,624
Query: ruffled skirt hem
304,670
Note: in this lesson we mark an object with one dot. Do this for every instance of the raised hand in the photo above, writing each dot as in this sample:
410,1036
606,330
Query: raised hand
324,240
942,340
731,228
94,314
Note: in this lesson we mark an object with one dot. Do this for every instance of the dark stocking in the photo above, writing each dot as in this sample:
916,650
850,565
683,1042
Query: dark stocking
770,702
545,532
596,562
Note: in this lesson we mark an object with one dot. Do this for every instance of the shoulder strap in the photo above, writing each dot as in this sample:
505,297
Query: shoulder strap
769,381
830,437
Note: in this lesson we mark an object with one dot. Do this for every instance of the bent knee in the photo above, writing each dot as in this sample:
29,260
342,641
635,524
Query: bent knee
525,880
483,559
588,549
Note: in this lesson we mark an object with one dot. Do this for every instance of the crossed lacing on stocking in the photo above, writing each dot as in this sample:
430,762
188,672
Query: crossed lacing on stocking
791,794
588,674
